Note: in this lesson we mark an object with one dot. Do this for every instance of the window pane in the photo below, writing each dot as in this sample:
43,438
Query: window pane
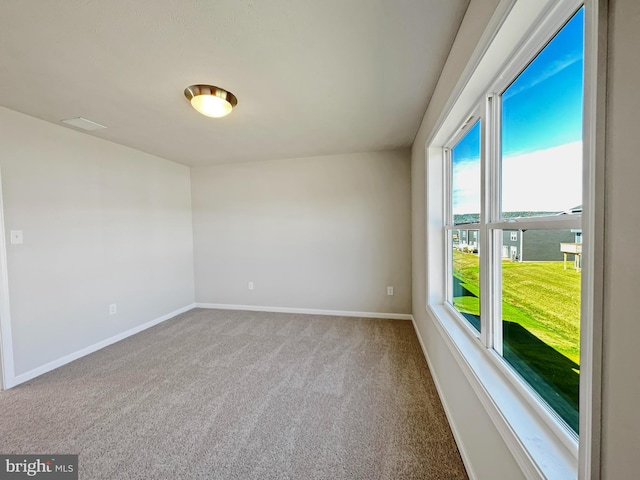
465,177
466,274
541,313
542,129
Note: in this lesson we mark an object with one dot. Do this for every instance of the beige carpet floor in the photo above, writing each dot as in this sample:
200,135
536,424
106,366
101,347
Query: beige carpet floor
242,395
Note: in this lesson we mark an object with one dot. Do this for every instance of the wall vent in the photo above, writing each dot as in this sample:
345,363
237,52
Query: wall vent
83,123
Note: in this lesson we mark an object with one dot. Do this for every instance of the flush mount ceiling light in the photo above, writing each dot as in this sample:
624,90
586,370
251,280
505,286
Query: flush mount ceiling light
211,101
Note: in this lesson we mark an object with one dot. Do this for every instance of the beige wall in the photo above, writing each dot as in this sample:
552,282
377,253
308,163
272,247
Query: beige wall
102,224
487,456
621,369
324,233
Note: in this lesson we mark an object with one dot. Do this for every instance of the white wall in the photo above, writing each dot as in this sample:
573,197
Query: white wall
621,369
486,454
102,224
319,233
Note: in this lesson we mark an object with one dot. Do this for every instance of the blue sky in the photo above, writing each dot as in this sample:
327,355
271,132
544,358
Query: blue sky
543,107
466,172
541,132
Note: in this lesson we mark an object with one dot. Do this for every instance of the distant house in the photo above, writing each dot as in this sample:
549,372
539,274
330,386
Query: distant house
522,245
536,245
466,240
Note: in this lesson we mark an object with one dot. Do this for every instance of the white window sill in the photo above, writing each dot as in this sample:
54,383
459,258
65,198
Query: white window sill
540,450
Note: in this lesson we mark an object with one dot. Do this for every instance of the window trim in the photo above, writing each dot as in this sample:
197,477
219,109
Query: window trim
475,116
594,131
512,20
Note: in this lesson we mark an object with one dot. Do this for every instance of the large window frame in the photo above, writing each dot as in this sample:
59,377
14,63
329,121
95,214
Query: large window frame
534,435
491,224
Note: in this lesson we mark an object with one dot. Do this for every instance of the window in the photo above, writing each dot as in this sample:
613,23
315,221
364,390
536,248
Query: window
465,206
514,265
511,216
528,302
541,322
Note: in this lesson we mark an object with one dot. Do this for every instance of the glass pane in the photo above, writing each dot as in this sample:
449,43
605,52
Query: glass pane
541,313
465,245
465,177
542,130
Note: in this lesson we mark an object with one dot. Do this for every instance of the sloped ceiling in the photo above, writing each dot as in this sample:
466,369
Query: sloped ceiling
312,77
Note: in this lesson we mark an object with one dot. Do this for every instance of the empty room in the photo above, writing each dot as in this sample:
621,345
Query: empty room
358,239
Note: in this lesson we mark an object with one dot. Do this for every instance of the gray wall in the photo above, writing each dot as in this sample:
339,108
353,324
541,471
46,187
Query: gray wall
544,245
621,372
102,224
322,233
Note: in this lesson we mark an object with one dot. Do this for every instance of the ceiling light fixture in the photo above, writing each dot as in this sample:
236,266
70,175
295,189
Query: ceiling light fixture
210,101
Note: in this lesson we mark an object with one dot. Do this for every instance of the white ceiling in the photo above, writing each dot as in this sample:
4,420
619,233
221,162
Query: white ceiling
312,77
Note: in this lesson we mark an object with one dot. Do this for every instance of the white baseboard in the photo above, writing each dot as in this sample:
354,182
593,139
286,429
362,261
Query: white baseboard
456,435
306,311
24,377
31,374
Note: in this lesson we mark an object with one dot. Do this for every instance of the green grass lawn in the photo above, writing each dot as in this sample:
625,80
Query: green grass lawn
541,296
541,324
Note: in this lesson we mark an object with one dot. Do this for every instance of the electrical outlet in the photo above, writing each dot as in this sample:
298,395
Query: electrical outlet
250,285
389,290
16,237
113,309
